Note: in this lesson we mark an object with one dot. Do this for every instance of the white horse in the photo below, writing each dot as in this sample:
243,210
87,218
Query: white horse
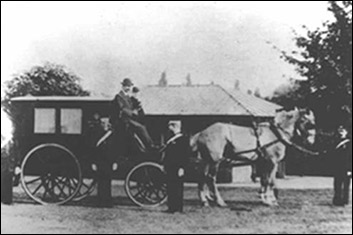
266,145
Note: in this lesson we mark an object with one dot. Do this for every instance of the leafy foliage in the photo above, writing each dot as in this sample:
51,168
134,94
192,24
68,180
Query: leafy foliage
48,80
324,58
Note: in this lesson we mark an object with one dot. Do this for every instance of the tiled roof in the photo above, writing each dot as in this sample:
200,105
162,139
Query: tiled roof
203,100
256,106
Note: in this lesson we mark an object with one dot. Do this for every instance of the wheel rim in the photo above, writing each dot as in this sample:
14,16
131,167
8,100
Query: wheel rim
145,185
51,174
87,188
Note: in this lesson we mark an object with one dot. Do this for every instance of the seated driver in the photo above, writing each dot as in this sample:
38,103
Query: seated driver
125,112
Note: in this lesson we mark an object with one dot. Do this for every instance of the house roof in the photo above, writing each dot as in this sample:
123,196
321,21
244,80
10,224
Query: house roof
256,106
203,100
185,100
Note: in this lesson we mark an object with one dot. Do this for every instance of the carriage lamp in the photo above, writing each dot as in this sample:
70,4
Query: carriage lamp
18,170
115,166
94,167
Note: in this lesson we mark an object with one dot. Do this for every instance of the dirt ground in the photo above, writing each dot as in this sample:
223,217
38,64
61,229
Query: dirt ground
302,210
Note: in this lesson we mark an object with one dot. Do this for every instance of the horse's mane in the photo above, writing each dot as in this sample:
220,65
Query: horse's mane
193,141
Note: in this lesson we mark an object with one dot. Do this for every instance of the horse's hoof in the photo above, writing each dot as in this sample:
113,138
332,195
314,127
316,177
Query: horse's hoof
262,197
274,203
222,205
270,203
205,204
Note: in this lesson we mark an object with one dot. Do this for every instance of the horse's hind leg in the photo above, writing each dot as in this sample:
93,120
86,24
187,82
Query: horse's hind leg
203,190
211,182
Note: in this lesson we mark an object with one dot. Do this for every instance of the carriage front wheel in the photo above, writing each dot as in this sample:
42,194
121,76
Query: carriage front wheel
51,174
146,186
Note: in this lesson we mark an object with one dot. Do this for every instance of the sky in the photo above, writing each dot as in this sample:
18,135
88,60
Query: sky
104,42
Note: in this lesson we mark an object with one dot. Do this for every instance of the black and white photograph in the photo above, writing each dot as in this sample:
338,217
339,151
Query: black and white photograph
176,117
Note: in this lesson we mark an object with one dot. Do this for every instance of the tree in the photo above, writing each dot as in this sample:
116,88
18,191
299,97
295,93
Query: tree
163,80
47,80
188,80
290,94
324,58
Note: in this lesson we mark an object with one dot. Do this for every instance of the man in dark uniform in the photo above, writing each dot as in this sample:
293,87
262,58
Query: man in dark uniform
342,168
125,113
176,157
103,162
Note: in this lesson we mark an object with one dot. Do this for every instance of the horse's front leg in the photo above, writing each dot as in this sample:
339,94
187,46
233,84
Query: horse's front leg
211,182
273,192
264,188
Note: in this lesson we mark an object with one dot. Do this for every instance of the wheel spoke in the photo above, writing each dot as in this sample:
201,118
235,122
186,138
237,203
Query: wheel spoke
37,189
61,189
46,188
68,182
51,189
33,181
139,193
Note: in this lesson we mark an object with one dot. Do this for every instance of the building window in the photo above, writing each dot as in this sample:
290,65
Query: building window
44,120
71,121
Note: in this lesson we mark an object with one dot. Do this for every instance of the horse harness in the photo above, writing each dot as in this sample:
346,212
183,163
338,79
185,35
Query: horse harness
259,150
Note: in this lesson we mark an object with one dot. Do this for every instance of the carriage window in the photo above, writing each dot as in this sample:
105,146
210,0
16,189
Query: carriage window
71,121
44,120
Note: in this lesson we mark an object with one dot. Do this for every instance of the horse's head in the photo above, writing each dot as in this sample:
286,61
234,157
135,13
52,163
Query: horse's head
299,123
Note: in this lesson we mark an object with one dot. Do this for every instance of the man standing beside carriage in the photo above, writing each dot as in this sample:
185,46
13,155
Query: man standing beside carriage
177,155
342,168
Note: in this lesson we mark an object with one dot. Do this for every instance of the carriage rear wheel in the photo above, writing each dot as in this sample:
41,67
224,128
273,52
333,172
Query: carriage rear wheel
145,185
51,174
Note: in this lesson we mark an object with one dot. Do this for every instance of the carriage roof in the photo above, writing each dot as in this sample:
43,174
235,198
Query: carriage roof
60,99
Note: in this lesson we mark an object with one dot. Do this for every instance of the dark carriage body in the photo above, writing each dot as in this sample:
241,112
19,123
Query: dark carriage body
56,144
61,120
